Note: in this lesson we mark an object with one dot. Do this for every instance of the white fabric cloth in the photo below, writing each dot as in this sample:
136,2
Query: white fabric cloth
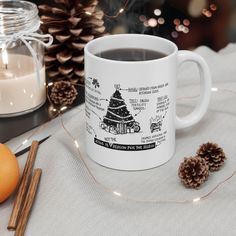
70,203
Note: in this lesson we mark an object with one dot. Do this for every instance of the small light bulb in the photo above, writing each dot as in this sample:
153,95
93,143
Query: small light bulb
196,199
63,108
117,193
76,144
24,142
50,84
88,13
121,10
5,57
214,89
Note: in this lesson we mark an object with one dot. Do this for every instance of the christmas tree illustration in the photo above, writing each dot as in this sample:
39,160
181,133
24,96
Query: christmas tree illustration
118,119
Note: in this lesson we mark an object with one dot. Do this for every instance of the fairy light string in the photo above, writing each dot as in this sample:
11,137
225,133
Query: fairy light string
119,194
139,200
59,112
126,197
119,12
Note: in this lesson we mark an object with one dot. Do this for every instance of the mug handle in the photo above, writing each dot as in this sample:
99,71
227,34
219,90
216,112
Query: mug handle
205,89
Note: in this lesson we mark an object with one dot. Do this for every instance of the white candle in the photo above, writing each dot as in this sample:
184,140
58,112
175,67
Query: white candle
20,90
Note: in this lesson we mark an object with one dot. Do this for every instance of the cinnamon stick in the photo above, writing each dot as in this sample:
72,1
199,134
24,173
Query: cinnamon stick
29,200
20,197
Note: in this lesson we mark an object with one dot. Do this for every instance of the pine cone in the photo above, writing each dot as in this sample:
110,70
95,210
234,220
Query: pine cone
63,93
193,171
213,155
72,23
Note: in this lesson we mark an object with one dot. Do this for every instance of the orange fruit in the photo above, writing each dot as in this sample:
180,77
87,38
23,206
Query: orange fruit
9,172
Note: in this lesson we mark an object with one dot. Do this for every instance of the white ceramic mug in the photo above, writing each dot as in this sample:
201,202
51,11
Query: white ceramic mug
131,105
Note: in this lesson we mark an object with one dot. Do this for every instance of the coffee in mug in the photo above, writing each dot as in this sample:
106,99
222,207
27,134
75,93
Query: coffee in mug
130,54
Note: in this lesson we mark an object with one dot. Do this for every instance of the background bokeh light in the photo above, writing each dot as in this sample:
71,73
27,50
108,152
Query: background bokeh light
189,23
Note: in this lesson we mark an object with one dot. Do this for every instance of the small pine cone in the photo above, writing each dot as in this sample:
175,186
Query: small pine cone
213,155
63,93
193,171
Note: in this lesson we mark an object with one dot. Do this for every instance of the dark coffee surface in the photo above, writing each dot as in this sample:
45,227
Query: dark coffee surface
130,54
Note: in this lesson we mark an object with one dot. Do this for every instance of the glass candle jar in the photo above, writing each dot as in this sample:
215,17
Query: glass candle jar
22,71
